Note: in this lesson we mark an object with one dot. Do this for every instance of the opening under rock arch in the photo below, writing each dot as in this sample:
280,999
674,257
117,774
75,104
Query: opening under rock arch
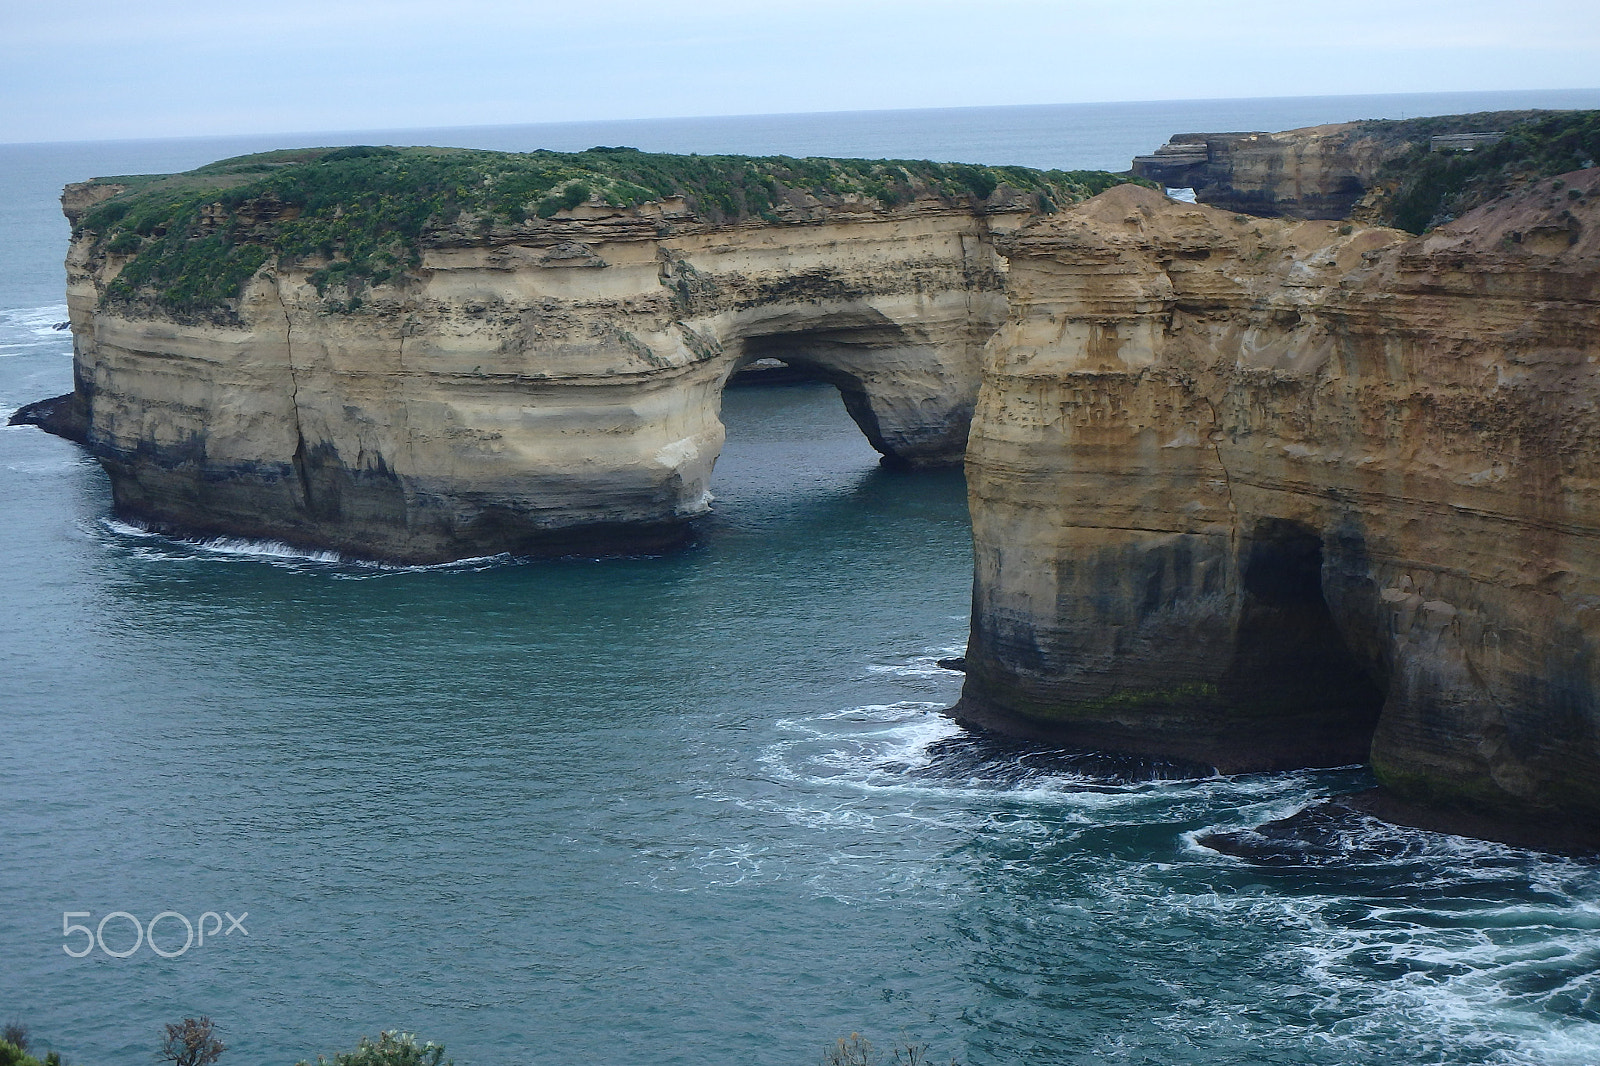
911,397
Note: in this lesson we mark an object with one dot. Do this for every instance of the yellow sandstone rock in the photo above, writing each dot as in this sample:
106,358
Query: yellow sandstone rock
549,392
1246,490
1247,493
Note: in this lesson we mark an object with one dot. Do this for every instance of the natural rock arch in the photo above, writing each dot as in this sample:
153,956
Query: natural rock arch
1214,461
503,398
909,390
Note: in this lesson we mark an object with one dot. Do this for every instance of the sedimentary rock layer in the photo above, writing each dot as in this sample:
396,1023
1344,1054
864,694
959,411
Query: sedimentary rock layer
1264,494
545,387
1317,172
1320,172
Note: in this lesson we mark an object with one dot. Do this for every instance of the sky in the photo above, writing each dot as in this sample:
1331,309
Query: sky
93,69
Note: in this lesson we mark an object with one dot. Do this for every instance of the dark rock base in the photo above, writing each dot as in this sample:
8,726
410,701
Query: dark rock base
63,416
1344,829
1202,735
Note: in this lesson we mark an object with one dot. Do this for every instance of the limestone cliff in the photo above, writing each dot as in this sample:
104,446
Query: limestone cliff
1259,494
1400,172
1317,172
419,355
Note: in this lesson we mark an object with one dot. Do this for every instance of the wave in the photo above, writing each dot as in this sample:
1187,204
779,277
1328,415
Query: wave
40,320
1503,983
30,328
925,665
154,546
1448,949
914,749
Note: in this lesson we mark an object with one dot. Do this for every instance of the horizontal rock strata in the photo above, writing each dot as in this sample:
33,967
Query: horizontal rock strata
540,387
1246,493
1318,172
1267,494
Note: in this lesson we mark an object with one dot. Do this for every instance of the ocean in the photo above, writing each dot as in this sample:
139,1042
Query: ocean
700,807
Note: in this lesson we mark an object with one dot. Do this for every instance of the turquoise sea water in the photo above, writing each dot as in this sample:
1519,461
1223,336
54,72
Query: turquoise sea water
673,810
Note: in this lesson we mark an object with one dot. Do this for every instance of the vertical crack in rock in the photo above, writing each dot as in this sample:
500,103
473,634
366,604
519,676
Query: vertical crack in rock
1227,476
298,459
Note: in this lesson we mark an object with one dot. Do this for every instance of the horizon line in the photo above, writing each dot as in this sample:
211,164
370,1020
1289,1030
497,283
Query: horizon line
799,114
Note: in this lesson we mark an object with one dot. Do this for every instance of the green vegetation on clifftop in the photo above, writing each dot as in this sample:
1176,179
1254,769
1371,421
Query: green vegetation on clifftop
360,215
1424,188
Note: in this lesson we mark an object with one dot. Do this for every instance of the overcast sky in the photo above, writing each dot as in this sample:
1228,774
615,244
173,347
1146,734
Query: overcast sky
151,68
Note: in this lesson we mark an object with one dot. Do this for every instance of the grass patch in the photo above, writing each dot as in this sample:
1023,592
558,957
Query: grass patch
365,212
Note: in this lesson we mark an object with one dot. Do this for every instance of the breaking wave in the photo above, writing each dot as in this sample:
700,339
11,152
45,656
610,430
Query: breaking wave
142,543
1372,939
33,328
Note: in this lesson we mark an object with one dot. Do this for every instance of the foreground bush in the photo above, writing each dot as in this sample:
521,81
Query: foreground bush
857,1050
15,1055
192,1042
392,1049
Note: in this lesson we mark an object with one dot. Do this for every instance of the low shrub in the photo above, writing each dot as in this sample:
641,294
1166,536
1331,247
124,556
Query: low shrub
857,1050
191,1042
1422,188
361,213
13,1053
392,1048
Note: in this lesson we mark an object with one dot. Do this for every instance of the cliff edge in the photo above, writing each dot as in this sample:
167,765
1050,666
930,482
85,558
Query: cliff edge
1260,494
425,354
1409,173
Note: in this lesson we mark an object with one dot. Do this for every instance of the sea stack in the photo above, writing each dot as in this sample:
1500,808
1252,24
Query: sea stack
418,355
1269,493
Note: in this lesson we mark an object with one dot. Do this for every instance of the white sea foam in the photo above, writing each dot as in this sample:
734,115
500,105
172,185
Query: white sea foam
1513,983
921,666
32,328
158,547
1458,950
1452,974
913,749
38,320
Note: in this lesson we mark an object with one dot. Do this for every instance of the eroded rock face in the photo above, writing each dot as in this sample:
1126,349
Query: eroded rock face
1323,172
1317,172
1246,493
545,391
1267,494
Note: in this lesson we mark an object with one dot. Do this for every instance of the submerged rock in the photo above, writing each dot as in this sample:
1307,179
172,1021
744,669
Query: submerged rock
1361,828
1323,834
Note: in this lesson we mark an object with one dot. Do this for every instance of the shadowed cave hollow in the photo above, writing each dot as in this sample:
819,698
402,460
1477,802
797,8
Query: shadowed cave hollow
1290,652
822,357
815,356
